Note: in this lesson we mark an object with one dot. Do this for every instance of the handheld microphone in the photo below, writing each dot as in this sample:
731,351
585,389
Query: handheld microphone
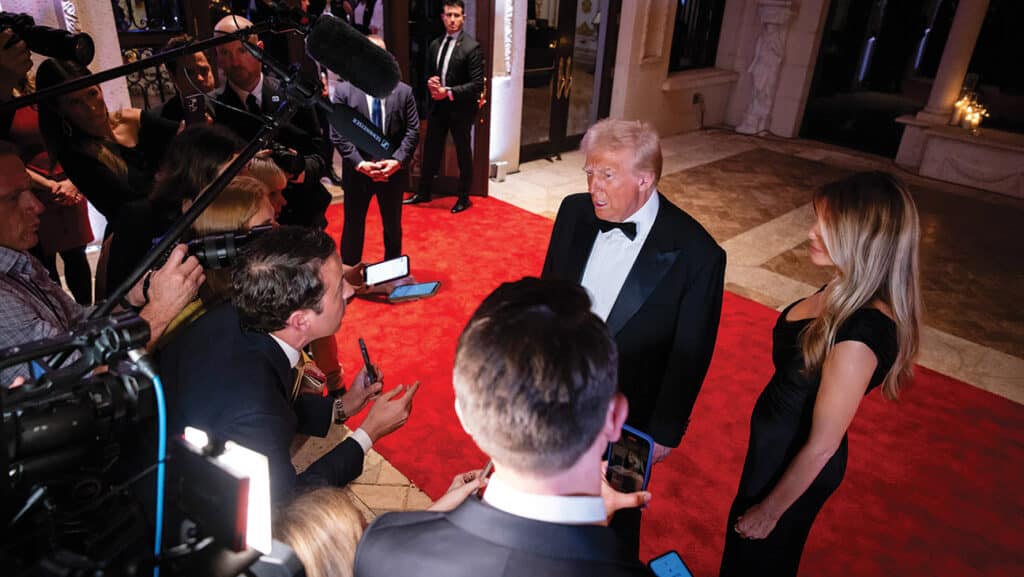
346,52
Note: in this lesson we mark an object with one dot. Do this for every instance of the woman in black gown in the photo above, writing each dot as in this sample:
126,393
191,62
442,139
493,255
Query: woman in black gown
830,349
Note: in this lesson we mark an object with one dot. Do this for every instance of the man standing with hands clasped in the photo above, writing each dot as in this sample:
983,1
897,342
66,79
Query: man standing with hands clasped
363,178
456,79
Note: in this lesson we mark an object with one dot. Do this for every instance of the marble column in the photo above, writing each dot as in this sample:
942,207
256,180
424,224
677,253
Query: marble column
963,35
775,16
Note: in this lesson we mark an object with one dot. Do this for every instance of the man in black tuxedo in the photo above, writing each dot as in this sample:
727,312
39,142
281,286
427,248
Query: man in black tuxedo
654,274
363,178
233,372
535,388
455,73
247,95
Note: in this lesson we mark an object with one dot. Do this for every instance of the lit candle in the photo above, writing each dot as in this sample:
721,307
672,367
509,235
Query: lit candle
958,111
975,121
965,119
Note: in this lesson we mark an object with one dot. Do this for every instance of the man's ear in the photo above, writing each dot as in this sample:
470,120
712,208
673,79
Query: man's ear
299,320
618,410
458,413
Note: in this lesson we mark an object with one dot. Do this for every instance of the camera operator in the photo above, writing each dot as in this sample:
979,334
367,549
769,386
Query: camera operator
233,371
240,105
32,306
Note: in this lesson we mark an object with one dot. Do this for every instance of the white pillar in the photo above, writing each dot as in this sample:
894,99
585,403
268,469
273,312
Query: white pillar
956,56
507,82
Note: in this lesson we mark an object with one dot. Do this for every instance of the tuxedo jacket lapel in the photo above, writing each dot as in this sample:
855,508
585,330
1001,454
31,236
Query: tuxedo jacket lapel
651,265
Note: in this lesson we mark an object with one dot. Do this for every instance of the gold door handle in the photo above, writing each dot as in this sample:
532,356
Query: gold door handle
560,81
568,77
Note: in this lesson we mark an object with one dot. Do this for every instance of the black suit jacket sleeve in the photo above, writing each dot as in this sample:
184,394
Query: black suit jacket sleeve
694,343
468,86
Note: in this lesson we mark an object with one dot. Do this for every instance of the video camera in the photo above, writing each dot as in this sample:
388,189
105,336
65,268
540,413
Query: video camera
47,41
76,496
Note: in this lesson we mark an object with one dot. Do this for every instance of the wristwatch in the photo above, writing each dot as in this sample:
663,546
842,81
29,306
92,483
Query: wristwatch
339,411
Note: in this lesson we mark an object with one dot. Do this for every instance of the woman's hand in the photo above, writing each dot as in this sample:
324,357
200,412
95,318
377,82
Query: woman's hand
757,523
463,485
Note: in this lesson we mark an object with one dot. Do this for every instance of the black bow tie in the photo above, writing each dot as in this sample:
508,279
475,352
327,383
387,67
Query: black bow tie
627,228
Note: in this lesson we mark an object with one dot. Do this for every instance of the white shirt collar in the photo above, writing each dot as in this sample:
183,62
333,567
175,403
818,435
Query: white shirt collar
243,95
291,352
644,216
567,510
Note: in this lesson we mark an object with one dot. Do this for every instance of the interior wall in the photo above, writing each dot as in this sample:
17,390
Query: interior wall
644,90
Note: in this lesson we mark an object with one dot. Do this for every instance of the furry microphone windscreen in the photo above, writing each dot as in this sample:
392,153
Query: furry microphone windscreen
346,52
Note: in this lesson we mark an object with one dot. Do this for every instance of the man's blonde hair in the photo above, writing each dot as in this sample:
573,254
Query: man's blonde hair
635,135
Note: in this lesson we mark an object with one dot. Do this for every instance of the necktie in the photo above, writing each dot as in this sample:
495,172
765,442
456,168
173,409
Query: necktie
441,61
627,228
252,105
375,114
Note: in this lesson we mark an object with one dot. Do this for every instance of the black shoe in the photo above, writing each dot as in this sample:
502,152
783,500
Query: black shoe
416,199
461,205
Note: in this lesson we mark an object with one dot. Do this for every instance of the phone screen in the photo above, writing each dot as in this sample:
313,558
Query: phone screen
628,461
195,109
669,565
387,270
414,290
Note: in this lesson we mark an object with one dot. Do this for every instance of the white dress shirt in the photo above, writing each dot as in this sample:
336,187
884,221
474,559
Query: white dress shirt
383,111
243,95
443,66
294,356
566,510
613,256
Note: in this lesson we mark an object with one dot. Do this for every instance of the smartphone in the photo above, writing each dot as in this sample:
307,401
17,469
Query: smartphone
629,461
387,270
669,565
414,291
194,109
371,373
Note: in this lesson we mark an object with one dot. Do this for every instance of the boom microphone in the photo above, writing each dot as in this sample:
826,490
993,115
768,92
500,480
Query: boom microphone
346,52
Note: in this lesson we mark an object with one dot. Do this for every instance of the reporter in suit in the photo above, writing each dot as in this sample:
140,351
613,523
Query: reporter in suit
654,274
455,80
231,371
535,388
248,89
363,178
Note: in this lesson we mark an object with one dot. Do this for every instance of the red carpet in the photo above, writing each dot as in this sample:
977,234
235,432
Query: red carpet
933,485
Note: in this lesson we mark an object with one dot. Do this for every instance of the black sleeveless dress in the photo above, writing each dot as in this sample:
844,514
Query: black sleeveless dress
779,428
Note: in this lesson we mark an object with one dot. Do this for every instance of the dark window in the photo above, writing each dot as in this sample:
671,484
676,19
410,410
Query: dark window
695,38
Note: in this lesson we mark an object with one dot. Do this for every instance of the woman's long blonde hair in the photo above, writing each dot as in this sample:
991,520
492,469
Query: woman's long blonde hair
871,231
323,527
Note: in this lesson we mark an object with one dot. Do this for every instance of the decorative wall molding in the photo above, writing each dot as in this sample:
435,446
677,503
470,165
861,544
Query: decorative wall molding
655,28
507,28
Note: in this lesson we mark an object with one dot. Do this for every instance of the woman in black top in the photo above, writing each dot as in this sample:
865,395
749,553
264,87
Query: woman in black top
829,350
109,156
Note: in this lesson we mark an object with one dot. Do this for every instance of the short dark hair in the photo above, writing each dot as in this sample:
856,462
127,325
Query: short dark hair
175,42
535,373
458,3
277,274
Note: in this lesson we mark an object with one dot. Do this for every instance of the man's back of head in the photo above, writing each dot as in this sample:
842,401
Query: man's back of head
535,373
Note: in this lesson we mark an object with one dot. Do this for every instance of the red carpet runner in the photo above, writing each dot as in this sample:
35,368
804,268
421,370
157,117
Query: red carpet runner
934,482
